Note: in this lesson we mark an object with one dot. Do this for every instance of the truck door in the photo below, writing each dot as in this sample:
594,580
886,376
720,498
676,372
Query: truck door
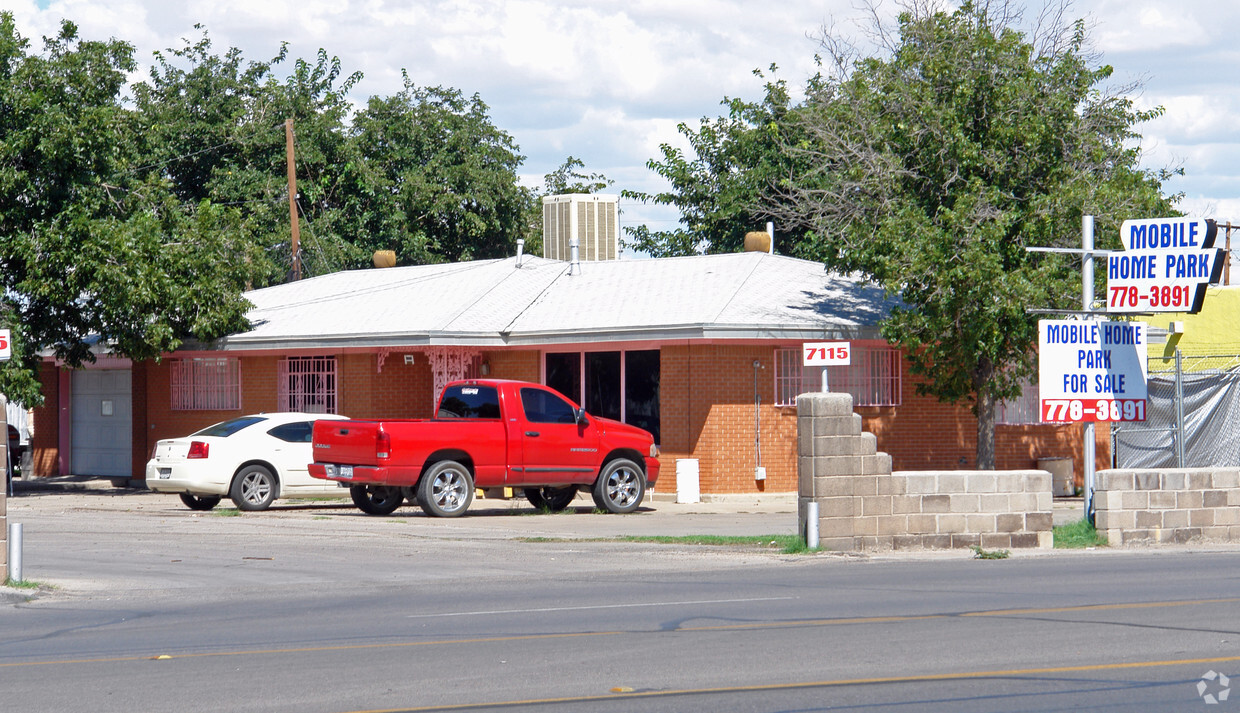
556,448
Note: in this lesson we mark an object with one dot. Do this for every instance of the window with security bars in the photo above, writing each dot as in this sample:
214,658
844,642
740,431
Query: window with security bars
1022,410
873,378
206,384
307,384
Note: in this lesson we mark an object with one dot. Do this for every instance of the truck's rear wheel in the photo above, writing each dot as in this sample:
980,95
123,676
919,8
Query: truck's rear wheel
446,489
376,499
620,487
550,499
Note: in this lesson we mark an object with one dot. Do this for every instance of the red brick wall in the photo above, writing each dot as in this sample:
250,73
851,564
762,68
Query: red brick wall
707,405
45,443
707,412
511,364
140,419
926,434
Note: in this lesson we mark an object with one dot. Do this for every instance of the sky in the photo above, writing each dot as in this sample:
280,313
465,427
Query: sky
609,83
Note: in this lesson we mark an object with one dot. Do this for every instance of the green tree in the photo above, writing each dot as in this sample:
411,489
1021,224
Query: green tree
434,179
932,169
725,188
91,248
214,125
569,178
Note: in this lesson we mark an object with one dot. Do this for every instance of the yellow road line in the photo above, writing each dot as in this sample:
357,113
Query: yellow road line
685,629
965,675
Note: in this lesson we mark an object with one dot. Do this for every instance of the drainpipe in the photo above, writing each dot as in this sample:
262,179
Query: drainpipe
759,473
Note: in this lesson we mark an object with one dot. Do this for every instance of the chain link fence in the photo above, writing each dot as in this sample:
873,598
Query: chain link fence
1192,417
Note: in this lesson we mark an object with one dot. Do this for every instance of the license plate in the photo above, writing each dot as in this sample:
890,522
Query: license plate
165,473
345,471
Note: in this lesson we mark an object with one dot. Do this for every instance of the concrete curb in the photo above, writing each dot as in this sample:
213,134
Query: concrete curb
75,483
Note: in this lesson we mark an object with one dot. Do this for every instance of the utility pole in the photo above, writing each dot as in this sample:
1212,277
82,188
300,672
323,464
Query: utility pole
292,198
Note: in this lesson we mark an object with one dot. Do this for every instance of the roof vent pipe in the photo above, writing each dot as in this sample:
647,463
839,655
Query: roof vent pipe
770,230
574,266
520,250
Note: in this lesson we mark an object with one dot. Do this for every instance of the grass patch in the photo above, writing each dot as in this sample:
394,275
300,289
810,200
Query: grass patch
226,512
22,584
1078,535
981,554
786,544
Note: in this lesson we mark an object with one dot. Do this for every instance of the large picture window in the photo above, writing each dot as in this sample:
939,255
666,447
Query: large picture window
620,385
873,378
307,384
206,384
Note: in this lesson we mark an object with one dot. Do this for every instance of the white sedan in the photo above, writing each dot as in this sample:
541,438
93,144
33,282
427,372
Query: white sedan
251,459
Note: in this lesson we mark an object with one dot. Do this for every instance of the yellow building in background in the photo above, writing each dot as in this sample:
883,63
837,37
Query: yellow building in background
1209,339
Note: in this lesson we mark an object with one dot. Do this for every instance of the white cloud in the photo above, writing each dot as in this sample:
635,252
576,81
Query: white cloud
609,83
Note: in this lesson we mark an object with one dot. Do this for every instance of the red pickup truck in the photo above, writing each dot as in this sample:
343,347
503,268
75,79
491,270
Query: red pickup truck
488,433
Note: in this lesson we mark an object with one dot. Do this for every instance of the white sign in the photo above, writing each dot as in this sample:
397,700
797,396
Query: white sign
6,345
826,354
1165,266
1092,371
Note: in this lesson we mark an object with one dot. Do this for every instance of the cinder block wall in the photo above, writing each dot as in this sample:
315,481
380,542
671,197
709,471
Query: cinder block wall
863,505
1168,505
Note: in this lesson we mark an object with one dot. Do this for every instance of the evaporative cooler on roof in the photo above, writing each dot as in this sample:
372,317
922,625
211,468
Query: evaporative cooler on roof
594,219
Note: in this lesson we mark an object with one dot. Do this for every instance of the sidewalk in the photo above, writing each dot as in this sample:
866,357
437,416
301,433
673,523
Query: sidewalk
70,483
1066,510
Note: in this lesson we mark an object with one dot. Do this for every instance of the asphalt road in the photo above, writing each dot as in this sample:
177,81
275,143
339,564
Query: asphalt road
316,608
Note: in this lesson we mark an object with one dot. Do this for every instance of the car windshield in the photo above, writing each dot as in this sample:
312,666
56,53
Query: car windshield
227,428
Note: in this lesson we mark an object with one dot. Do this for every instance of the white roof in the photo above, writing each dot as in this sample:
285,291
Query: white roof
494,303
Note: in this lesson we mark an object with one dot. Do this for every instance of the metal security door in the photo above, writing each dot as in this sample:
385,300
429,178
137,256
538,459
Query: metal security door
102,422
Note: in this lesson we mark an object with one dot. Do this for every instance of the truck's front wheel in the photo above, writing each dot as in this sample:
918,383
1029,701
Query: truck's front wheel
376,499
620,487
446,489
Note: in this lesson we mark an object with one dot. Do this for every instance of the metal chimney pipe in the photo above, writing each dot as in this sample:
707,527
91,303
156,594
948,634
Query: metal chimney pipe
520,250
574,265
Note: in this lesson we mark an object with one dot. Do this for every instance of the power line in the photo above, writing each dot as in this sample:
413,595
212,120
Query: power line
199,152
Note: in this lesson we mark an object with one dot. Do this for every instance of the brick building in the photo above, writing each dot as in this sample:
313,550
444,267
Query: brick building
702,351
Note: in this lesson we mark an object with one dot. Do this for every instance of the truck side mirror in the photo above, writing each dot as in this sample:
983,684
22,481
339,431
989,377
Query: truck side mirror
581,416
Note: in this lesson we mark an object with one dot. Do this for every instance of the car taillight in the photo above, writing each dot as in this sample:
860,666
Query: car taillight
383,444
198,449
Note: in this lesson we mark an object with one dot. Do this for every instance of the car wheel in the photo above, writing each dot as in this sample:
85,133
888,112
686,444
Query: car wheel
253,488
200,502
376,499
550,499
620,486
446,489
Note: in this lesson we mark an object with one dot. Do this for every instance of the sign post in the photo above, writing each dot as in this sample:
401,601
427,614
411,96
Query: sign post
826,354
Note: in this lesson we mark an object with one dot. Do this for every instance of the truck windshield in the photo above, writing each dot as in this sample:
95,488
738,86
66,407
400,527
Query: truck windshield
464,401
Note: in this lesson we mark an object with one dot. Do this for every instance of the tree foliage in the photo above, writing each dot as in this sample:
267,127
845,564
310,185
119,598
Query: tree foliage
932,170
928,164
134,223
723,189
434,179
89,246
571,178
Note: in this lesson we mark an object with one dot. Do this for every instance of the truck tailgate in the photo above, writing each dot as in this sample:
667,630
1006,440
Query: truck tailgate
346,442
